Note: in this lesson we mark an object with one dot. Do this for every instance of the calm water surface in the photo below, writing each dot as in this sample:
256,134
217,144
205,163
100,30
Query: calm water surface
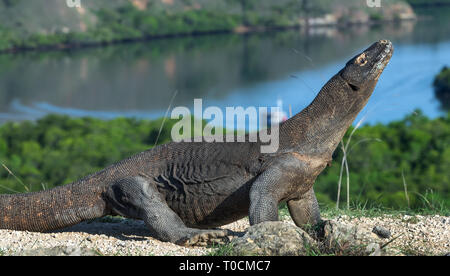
139,79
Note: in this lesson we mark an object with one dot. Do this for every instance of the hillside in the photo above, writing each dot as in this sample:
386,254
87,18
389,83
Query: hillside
51,23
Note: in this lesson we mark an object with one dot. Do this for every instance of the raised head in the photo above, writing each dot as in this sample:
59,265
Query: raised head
319,127
361,73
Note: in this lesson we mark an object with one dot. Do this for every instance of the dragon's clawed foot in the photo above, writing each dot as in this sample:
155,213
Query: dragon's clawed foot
206,237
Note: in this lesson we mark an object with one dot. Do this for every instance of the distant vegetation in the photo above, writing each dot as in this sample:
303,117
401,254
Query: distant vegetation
428,2
383,159
411,155
106,22
57,150
442,87
130,23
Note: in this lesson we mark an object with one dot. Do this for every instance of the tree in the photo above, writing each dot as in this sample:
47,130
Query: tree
441,86
245,5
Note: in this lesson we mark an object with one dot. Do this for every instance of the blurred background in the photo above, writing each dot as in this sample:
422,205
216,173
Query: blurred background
82,87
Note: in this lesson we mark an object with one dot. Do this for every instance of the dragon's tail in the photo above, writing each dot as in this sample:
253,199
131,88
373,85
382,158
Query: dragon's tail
52,209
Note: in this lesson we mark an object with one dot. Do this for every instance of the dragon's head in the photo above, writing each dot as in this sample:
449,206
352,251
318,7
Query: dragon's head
361,73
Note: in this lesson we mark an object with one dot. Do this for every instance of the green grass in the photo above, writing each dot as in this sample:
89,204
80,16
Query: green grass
221,250
374,211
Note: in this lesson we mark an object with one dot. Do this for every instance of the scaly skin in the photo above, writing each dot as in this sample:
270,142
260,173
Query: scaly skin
182,190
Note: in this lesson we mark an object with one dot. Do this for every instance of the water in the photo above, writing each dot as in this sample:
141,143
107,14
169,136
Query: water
139,79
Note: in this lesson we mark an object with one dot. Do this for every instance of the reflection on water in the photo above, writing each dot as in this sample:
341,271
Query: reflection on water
139,79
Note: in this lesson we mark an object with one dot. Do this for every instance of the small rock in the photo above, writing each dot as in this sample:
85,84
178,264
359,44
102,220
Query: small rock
382,232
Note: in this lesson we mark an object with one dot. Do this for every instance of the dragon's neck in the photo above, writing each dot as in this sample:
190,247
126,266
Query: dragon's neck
319,127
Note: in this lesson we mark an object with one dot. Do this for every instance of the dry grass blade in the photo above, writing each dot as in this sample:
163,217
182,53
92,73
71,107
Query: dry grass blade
425,200
18,179
393,239
340,178
165,117
405,187
345,162
9,189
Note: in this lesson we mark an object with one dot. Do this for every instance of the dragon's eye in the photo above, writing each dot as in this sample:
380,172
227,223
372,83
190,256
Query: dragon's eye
361,60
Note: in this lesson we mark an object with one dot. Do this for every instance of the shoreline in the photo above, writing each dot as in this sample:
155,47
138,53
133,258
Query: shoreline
240,30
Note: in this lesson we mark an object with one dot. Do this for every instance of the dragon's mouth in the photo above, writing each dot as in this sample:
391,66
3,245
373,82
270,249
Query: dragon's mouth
382,59
352,86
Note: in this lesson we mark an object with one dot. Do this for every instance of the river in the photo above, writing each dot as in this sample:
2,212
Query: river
257,69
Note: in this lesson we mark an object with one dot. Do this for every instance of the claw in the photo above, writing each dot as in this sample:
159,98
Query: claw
205,237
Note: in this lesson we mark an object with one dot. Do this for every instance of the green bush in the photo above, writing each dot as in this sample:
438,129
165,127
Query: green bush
128,22
382,159
379,156
57,150
8,39
442,87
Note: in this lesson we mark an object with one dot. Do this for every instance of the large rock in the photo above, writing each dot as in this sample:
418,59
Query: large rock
334,238
349,239
274,238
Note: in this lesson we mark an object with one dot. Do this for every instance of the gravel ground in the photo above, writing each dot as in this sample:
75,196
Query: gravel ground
113,237
424,235
414,235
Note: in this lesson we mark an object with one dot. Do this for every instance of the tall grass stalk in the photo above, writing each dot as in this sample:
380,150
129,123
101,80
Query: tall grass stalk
340,179
165,116
346,151
405,187
344,147
434,205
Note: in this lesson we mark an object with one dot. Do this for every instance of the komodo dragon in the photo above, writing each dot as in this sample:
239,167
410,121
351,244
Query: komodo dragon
183,191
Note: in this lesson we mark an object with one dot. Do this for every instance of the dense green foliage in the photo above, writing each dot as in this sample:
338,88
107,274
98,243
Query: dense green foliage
428,2
129,23
57,150
383,159
442,87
